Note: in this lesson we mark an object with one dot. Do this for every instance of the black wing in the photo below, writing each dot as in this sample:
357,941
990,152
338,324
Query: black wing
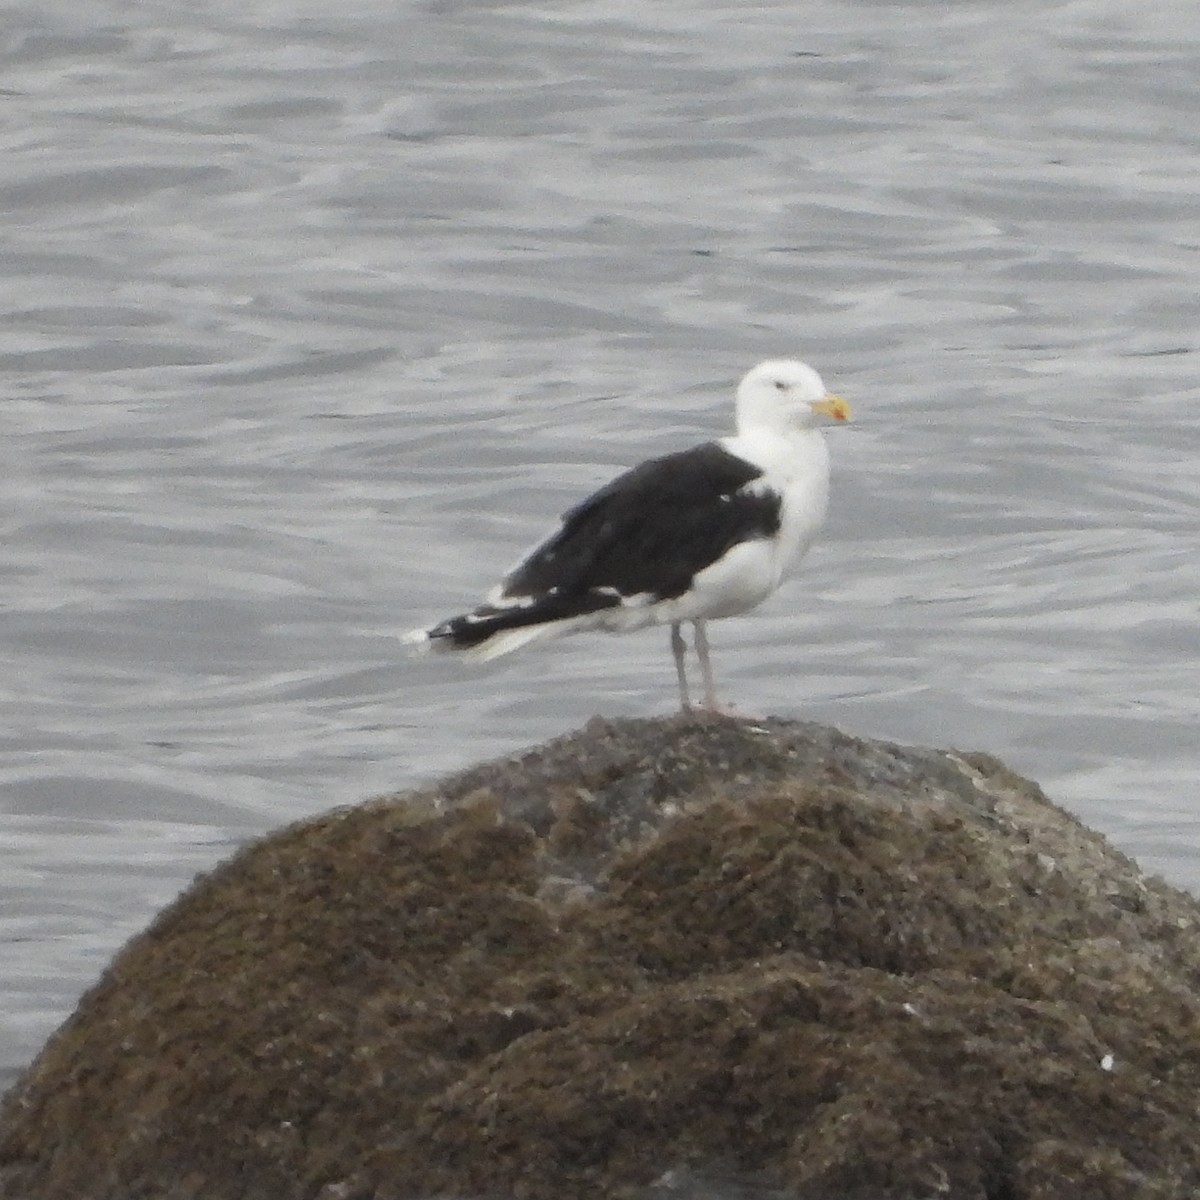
652,529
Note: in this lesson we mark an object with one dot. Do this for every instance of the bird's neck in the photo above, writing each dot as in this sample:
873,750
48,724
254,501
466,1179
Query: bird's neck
788,452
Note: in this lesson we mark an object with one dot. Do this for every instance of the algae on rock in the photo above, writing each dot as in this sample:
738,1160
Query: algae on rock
650,951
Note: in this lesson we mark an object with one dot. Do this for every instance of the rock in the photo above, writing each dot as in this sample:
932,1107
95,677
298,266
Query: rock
689,957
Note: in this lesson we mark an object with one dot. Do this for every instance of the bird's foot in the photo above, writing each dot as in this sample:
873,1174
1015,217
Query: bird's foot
714,709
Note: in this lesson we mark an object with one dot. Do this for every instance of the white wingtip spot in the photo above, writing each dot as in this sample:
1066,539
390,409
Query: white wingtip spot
418,639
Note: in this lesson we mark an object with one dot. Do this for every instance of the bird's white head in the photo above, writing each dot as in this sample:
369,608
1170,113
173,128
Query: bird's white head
783,395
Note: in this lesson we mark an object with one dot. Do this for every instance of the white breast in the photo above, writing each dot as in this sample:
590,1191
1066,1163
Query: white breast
797,467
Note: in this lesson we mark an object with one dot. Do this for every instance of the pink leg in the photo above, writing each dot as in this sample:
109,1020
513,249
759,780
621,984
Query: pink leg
710,688
679,649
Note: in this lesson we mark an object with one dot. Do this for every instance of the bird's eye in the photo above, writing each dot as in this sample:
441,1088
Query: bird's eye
780,384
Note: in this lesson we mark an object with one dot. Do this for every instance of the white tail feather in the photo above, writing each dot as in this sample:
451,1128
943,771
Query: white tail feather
504,642
509,640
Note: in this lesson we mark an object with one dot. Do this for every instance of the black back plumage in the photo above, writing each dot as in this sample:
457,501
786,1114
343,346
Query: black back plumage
648,532
651,529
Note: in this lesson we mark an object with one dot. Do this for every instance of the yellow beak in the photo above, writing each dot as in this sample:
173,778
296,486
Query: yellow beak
832,406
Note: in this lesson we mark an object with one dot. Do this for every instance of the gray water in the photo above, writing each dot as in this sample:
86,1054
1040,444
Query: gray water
315,316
